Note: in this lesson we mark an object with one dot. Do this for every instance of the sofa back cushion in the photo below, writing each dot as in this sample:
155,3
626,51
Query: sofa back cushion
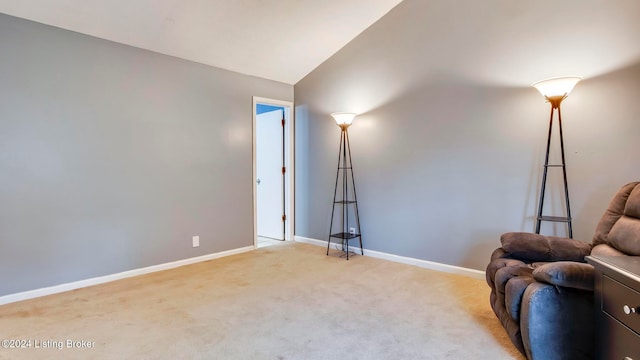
619,227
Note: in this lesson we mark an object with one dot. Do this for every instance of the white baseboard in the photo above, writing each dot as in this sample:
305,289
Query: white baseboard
477,274
6,299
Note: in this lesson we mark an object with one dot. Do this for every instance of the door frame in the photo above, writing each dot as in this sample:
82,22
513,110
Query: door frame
289,204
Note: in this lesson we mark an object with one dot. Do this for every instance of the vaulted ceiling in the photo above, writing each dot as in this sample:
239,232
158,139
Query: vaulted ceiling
281,40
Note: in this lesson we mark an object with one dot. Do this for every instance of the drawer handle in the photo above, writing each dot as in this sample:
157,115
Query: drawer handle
627,358
629,310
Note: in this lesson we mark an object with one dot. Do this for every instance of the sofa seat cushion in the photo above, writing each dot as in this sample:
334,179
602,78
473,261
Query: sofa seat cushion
606,250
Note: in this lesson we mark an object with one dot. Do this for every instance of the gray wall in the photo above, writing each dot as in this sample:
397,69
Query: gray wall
449,145
112,157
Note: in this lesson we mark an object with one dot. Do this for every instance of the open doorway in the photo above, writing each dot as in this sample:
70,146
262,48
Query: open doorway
272,171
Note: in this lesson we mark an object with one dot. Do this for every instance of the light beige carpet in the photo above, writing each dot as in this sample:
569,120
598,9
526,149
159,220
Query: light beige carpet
287,301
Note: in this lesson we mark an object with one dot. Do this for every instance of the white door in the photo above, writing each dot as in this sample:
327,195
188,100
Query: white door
269,177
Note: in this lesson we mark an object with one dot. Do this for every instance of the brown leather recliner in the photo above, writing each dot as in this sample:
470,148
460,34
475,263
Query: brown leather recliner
542,288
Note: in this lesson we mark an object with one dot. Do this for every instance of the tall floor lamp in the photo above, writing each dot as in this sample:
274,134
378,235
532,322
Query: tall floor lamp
347,202
555,90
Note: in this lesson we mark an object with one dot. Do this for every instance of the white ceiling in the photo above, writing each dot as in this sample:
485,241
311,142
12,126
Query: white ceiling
281,40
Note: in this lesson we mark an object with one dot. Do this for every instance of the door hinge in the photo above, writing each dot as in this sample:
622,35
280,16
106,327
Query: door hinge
284,217
284,170
282,122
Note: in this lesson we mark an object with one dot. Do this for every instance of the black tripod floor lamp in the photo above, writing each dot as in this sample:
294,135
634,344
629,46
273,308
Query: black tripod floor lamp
344,195
555,90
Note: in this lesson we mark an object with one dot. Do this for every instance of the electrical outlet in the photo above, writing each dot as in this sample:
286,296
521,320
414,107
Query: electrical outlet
352,230
196,241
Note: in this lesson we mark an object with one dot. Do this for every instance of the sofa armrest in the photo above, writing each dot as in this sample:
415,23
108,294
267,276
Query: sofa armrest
499,253
536,247
566,274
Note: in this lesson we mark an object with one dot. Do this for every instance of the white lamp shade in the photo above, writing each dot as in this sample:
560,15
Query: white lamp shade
558,86
343,118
